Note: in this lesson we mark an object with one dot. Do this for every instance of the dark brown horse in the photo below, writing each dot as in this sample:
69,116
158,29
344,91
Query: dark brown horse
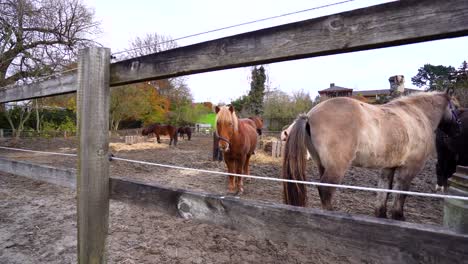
185,131
258,123
164,130
340,132
452,150
237,140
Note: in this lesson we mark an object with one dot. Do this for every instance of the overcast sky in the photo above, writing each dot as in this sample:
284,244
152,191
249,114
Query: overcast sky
124,20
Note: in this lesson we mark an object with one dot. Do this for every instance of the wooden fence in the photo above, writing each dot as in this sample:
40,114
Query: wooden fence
386,25
367,239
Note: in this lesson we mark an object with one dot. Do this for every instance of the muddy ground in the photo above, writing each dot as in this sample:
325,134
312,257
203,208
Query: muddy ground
37,220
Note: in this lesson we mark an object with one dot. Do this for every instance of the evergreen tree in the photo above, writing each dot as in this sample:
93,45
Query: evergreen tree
257,90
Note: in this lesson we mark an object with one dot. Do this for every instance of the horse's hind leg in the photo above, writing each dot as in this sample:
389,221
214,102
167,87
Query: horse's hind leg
330,175
402,181
385,182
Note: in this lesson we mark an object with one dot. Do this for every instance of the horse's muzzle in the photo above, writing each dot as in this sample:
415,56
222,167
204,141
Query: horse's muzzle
224,147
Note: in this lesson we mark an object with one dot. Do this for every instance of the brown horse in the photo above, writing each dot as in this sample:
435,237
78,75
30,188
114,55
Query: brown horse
237,140
165,130
258,123
185,131
340,132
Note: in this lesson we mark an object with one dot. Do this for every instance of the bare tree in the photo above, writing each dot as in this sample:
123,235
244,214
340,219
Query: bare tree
151,43
19,114
38,37
174,89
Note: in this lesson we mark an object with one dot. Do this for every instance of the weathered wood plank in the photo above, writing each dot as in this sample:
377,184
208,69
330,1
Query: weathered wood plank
93,160
57,176
385,25
366,239
60,84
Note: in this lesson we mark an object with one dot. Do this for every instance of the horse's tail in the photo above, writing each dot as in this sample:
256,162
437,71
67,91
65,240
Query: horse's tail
294,163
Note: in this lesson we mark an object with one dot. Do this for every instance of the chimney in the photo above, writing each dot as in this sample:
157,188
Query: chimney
332,85
397,84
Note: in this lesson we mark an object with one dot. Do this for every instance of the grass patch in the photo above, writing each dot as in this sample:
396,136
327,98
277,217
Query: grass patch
208,119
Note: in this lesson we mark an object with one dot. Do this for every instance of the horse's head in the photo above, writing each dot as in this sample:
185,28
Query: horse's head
144,132
450,123
227,126
285,132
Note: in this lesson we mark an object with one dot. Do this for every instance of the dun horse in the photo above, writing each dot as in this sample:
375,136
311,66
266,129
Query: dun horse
165,130
237,140
397,137
285,132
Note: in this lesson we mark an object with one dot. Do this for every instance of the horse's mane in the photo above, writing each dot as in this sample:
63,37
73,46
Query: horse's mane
414,98
224,115
419,100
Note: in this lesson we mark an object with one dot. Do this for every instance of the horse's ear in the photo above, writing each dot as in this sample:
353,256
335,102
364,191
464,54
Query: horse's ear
231,109
217,109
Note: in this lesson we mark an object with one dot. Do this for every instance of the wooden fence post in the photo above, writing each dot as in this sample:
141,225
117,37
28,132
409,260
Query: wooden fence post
93,161
274,147
456,211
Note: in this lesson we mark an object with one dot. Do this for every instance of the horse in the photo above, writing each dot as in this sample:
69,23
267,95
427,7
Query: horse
258,124
185,131
395,137
452,150
158,130
284,135
237,141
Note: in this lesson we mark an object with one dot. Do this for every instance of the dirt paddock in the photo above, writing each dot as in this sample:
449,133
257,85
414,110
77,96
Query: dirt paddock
38,220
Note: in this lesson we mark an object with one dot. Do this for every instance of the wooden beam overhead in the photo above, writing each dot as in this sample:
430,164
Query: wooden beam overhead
386,25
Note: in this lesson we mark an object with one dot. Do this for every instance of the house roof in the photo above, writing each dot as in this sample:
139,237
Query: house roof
381,92
335,89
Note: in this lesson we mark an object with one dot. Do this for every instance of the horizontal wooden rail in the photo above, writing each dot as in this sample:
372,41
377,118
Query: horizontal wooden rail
386,25
365,239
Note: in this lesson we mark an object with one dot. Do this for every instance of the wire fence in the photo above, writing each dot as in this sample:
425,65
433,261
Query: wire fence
219,173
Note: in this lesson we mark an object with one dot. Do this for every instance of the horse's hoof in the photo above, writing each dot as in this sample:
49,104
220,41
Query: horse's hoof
231,191
380,213
398,216
240,192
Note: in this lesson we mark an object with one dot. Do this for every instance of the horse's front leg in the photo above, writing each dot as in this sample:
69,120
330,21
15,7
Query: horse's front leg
240,180
402,181
385,182
231,179
158,139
